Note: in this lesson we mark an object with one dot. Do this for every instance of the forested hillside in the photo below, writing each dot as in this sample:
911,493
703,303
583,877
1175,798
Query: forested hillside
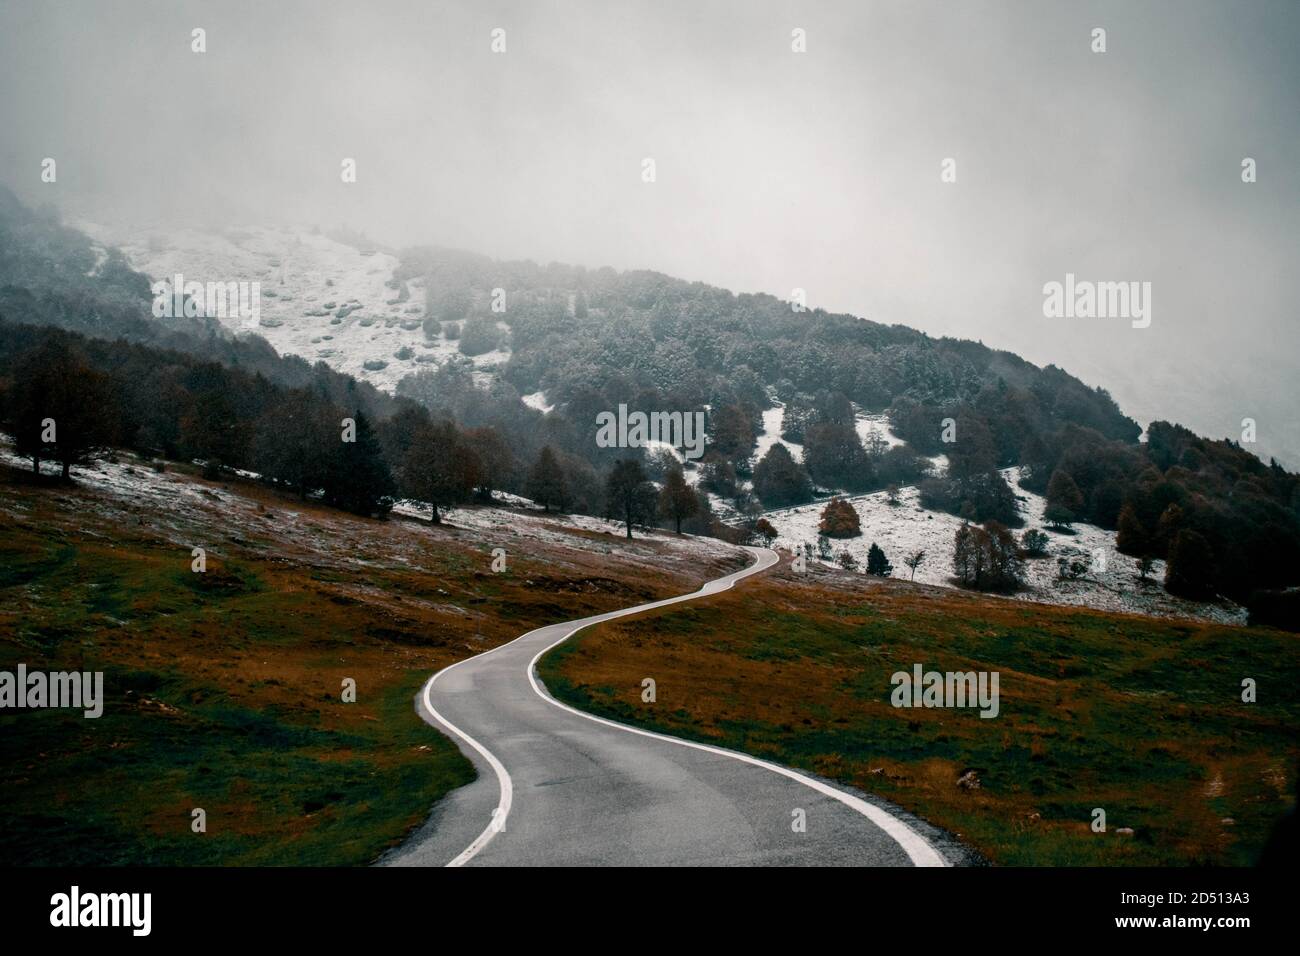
590,339
579,342
53,275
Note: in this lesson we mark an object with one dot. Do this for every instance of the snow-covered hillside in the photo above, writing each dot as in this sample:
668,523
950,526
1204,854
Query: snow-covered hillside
167,502
901,530
321,299
868,425
773,421
337,302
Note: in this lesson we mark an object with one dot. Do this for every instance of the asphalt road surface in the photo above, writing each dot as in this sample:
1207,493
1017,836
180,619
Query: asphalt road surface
558,787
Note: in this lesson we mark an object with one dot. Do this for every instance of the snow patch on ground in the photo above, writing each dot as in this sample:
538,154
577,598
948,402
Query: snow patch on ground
869,423
903,529
167,503
773,420
322,299
538,401
528,521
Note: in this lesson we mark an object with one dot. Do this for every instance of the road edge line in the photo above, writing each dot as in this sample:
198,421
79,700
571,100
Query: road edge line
918,849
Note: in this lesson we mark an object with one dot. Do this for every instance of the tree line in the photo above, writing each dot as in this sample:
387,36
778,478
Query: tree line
71,399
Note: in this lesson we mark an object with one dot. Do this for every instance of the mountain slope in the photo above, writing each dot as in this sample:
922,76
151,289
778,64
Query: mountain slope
468,337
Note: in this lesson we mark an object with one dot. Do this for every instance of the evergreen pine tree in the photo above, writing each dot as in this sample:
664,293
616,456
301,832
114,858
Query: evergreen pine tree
358,478
546,484
877,563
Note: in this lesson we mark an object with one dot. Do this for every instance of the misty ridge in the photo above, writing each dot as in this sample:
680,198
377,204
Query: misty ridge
855,160
457,376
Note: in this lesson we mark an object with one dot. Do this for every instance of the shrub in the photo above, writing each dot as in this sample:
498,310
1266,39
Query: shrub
1073,567
1279,609
987,558
1034,542
823,547
839,520
478,336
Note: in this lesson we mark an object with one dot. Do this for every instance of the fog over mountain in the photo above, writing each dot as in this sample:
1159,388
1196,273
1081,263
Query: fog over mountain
775,170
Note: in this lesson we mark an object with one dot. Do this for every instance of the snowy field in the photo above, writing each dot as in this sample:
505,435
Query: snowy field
321,299
901,530
538,401
773,419
866,424
168,503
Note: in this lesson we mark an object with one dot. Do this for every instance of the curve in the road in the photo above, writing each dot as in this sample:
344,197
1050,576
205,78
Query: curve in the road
685,788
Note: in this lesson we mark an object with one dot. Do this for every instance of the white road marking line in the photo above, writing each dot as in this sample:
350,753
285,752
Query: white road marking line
914,845
505,784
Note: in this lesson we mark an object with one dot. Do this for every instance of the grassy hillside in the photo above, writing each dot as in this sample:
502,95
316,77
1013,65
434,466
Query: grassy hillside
224,688
1141,717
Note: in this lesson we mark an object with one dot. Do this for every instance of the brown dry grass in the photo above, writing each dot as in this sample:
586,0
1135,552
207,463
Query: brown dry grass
1139,716
224,688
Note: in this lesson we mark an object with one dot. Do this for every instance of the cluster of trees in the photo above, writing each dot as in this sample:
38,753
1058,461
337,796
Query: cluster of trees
834,457
985,496
987,557
877,563
68,398
59,408
665,333
1064,500
779,480
592,339
479,335
634,499
1225,522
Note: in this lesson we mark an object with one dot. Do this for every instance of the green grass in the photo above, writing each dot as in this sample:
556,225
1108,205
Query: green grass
276,791
223,688
1140,716
284,777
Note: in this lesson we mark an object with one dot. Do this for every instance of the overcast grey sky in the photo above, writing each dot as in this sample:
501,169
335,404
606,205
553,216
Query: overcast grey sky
775,170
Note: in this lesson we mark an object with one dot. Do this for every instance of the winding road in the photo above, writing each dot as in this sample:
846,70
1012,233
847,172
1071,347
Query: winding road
558,787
